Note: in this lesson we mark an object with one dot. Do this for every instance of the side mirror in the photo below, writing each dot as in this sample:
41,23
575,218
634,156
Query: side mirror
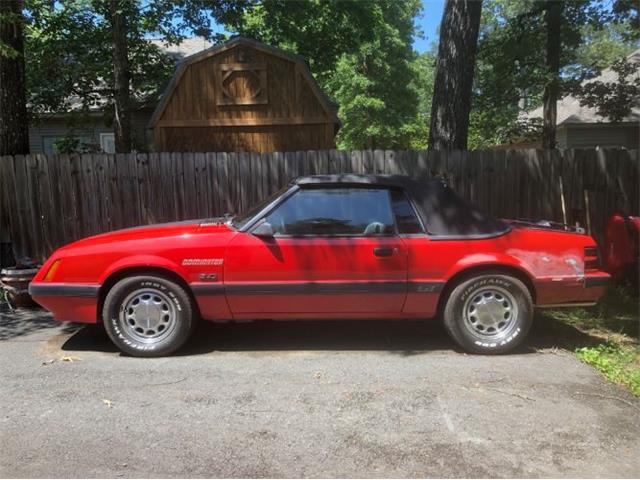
263,230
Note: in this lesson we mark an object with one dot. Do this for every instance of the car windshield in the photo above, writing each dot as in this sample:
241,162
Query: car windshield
242,219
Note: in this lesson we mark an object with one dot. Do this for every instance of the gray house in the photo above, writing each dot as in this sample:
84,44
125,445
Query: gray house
582,127
90,129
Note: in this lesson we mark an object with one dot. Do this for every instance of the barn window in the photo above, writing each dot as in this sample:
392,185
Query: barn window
241,84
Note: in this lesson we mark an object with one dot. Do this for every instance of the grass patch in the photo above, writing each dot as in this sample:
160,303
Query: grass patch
619,363
610,333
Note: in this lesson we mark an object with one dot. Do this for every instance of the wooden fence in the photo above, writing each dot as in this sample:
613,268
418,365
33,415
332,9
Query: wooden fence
47,201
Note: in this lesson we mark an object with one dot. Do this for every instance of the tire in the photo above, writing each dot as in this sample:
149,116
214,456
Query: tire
148,316
489,313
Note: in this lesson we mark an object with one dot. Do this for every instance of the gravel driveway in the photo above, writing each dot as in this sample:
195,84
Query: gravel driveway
306,399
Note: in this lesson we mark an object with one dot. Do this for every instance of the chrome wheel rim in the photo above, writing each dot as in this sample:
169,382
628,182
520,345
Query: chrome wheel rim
490,313
148,315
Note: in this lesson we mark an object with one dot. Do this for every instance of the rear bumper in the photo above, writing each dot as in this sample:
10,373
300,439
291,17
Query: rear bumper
68,301
593,281
572,291
594,286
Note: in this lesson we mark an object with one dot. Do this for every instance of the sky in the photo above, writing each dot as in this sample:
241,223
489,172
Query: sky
428,23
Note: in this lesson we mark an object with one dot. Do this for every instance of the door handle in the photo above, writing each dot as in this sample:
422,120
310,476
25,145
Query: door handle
384,251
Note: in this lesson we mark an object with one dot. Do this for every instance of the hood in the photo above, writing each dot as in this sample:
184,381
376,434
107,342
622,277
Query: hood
154,231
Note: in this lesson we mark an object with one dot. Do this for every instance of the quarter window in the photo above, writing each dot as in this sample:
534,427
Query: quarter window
406,218
335,211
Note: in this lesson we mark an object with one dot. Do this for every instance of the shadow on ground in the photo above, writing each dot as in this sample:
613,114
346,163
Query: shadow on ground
549,333
23,321
403,337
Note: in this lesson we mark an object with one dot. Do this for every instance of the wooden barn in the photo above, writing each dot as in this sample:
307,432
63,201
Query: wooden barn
243,95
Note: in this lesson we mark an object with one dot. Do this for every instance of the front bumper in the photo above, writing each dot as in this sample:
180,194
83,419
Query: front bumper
68,301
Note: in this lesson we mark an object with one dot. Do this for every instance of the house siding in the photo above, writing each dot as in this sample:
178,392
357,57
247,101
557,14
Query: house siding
604,135
45,129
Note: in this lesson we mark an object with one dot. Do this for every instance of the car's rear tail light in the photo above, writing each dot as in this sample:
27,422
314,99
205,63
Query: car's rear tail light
52,271
592,258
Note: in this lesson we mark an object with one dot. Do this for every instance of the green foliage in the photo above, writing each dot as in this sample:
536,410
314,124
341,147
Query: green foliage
610,334
612,100
320,31
361,54
510,68
375,86
603,45
620,364
70,144
68,48
10,18
617,312
422,83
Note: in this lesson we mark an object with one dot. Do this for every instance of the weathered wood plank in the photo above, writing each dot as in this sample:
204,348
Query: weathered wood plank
212,185
334,162
33,188
51,200
233,183
357,162
49,204
222,184
12,214
345,161
191,208
144,187
244,188
312,163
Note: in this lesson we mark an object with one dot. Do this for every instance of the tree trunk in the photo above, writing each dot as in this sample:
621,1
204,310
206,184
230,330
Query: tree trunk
553,20
454,74
122,78
14,122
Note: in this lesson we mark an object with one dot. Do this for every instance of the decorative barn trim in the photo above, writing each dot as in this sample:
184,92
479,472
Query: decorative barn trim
328,105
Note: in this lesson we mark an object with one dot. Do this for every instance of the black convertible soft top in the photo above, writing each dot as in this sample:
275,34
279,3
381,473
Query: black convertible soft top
443,212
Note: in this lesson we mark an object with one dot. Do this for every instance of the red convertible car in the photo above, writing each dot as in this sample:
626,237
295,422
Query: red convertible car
326,247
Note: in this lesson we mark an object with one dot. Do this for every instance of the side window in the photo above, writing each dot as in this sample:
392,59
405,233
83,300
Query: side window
334,211
405,215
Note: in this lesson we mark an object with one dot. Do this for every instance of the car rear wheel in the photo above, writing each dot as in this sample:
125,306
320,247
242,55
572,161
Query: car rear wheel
489,313
148,316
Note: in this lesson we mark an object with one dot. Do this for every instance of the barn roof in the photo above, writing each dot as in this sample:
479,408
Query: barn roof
330,107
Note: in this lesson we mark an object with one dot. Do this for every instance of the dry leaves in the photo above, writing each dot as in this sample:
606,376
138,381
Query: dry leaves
70,359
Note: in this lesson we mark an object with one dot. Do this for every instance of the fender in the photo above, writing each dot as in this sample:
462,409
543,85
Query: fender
137,261
210,306
493,259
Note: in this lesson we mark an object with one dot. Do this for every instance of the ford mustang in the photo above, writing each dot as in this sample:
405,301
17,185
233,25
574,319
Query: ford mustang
326,247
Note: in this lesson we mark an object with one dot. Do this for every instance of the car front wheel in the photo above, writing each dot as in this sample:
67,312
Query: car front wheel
148,316
489,313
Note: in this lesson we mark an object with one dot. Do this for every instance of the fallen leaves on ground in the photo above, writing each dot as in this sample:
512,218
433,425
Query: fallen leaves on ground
70,359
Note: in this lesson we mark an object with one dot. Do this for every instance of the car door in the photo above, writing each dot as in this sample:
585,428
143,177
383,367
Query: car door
334,252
